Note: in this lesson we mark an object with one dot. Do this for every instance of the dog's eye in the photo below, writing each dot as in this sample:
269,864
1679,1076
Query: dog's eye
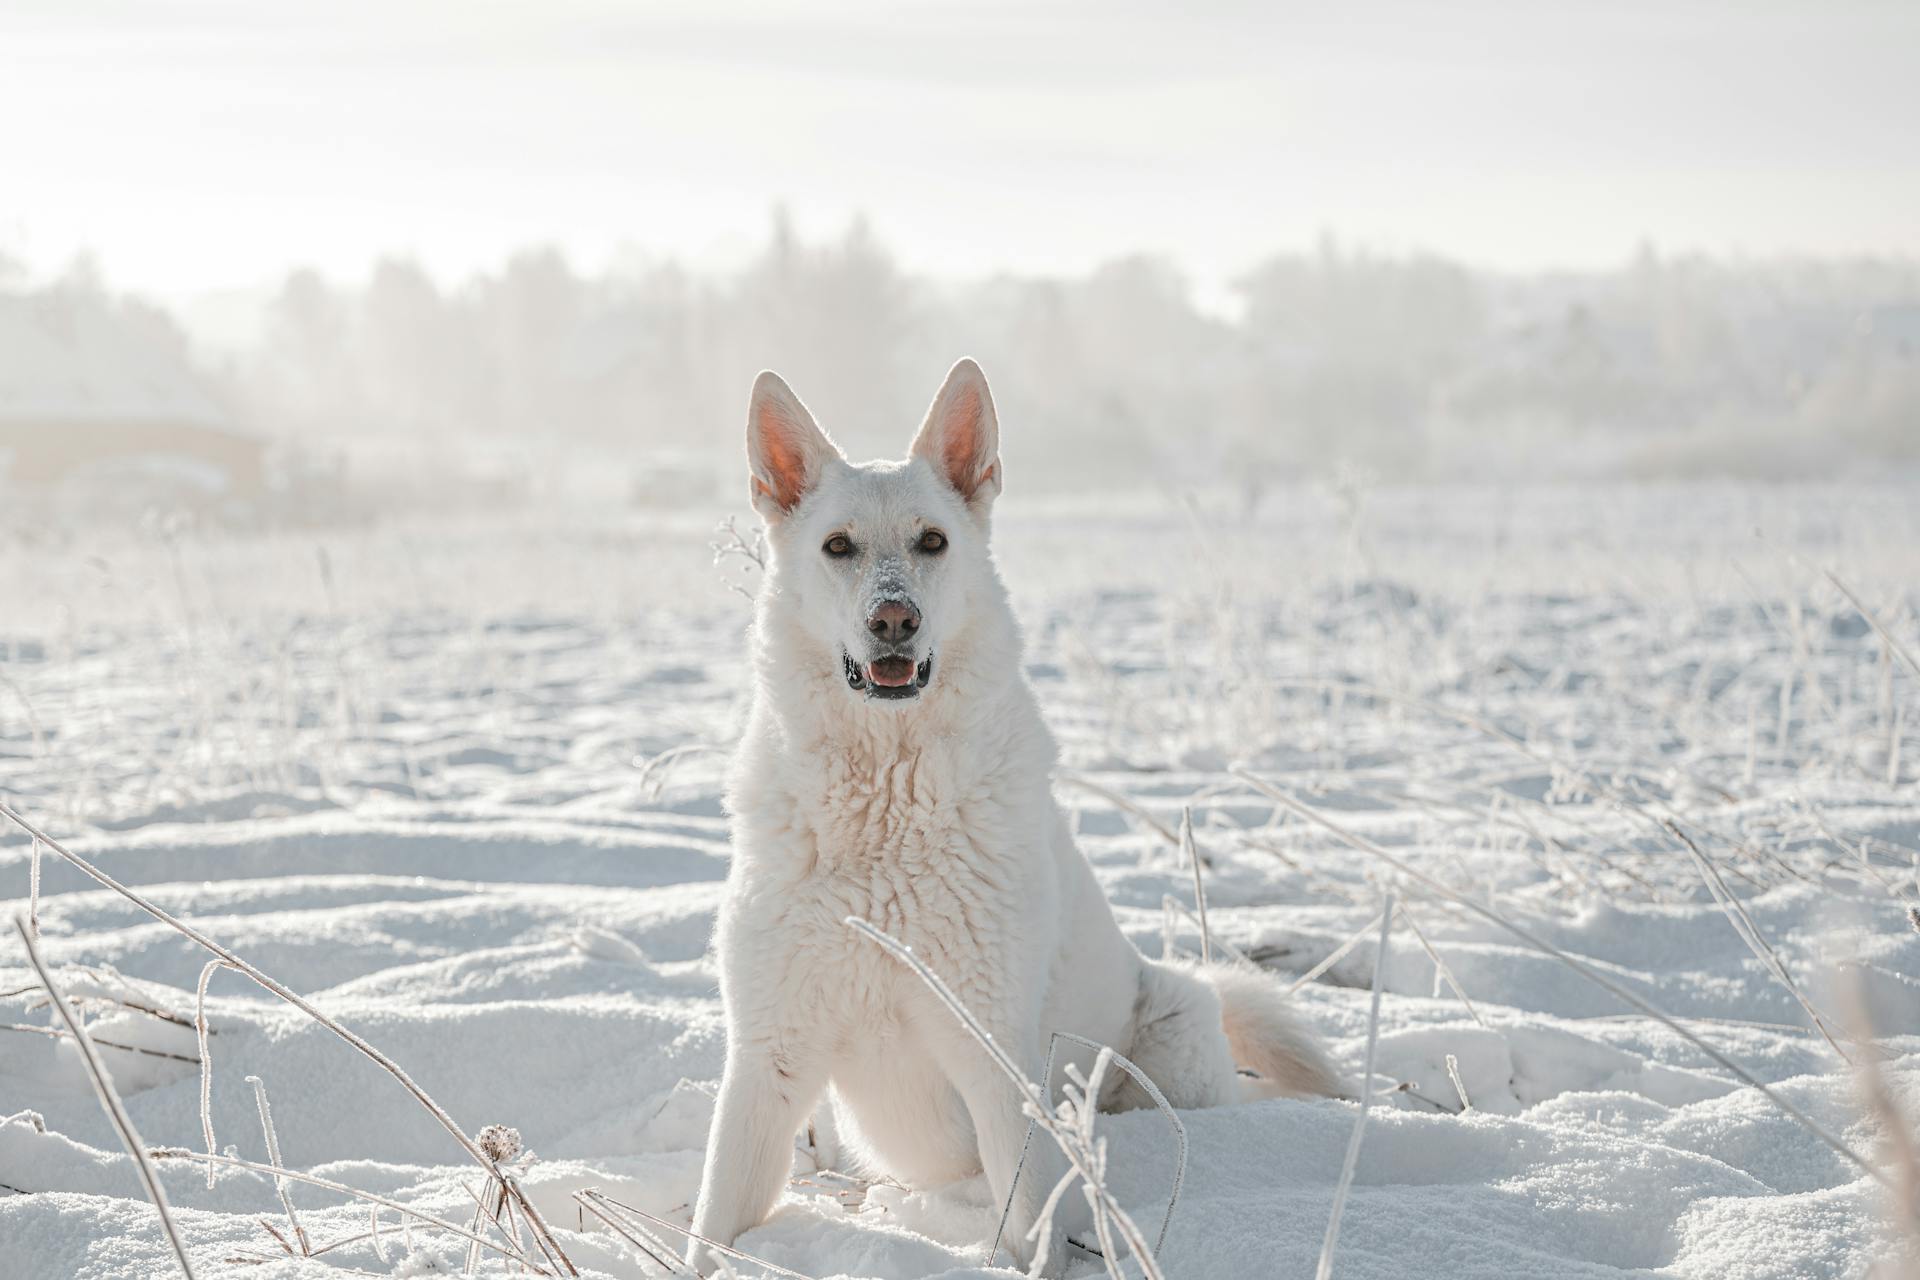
839,545
933,542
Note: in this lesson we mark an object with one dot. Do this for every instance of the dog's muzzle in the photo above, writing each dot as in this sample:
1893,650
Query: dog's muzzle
889,677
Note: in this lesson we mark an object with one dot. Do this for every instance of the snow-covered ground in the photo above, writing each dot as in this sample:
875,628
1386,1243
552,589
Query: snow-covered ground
419,775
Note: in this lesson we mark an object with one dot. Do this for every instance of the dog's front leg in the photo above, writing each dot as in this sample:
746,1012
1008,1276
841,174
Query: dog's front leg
768,1089
997,1109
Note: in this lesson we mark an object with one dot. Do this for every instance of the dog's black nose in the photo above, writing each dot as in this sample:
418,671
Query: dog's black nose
894,621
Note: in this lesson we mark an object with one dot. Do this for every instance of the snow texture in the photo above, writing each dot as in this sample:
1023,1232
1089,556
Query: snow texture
407,775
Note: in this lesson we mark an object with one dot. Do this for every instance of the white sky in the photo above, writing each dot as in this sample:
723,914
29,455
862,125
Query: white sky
209,145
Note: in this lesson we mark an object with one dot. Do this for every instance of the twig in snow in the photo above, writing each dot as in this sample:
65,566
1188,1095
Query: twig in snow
109,1097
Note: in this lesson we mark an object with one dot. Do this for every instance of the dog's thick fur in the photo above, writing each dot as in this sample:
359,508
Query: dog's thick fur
922,802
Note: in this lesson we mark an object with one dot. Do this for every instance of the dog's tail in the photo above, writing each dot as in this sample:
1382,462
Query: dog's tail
1268,1037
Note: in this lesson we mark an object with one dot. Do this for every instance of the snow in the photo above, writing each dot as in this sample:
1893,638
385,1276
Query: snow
411,786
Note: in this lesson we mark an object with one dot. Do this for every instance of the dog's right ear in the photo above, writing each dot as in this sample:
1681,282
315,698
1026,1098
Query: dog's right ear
786,450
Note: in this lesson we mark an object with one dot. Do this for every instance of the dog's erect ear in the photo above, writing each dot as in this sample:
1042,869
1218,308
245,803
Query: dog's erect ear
786,450
961,436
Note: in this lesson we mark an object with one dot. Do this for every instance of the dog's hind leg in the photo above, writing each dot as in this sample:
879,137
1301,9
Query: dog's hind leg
1178,1041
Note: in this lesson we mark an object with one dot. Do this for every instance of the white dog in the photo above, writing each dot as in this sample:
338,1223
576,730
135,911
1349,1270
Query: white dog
895,766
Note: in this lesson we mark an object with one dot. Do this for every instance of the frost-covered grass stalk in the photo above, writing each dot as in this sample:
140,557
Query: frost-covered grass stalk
109,1097
1749,932
1440,966
1124,804
33,887
1459,1085
202,1032
1172,911
1192,857
594,1200
407,1212
1339,953
273,1157
1584,970
1082,1100
649,1245
543,1236
1352,1160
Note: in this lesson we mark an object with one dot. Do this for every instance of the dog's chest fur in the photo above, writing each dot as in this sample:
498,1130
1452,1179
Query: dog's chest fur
923,837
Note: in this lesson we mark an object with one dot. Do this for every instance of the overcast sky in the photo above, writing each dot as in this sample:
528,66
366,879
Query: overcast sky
208,145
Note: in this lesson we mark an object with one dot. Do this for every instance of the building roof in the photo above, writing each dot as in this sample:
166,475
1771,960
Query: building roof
71,359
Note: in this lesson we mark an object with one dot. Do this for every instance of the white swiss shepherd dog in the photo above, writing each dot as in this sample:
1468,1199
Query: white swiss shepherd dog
895,766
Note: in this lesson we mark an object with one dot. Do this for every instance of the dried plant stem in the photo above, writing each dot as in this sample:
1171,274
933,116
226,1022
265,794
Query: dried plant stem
1339,953
202,1031
1199,883
599,1197
56,1033
33,887
1171,910
109,1097
1352,1161
1749,932
541,1231
1128,806
1584,970
1892,642
273,1158
678,1265
1105,1054
1459,1085
1440,965
328,1184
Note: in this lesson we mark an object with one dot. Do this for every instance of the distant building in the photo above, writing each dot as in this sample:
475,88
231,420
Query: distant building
96,395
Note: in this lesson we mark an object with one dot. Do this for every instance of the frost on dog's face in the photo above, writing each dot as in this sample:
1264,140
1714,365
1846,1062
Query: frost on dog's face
875,561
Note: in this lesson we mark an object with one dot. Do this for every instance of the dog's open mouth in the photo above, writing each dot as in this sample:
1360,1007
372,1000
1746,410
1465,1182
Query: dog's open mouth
891,677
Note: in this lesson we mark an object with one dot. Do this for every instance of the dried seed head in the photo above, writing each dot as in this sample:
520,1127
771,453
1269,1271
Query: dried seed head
1913,918
500,1143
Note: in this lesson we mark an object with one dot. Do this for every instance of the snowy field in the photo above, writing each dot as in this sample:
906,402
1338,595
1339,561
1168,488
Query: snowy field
459,787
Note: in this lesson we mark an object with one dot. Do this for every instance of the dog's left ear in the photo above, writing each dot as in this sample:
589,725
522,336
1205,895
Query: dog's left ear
961,436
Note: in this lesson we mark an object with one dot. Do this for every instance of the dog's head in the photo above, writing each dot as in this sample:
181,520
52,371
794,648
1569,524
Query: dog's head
875,562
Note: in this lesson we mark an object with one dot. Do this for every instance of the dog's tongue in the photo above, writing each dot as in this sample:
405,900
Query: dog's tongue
891,673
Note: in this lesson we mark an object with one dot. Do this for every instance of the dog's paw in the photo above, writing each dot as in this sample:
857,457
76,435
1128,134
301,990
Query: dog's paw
1031,1259
705,1260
